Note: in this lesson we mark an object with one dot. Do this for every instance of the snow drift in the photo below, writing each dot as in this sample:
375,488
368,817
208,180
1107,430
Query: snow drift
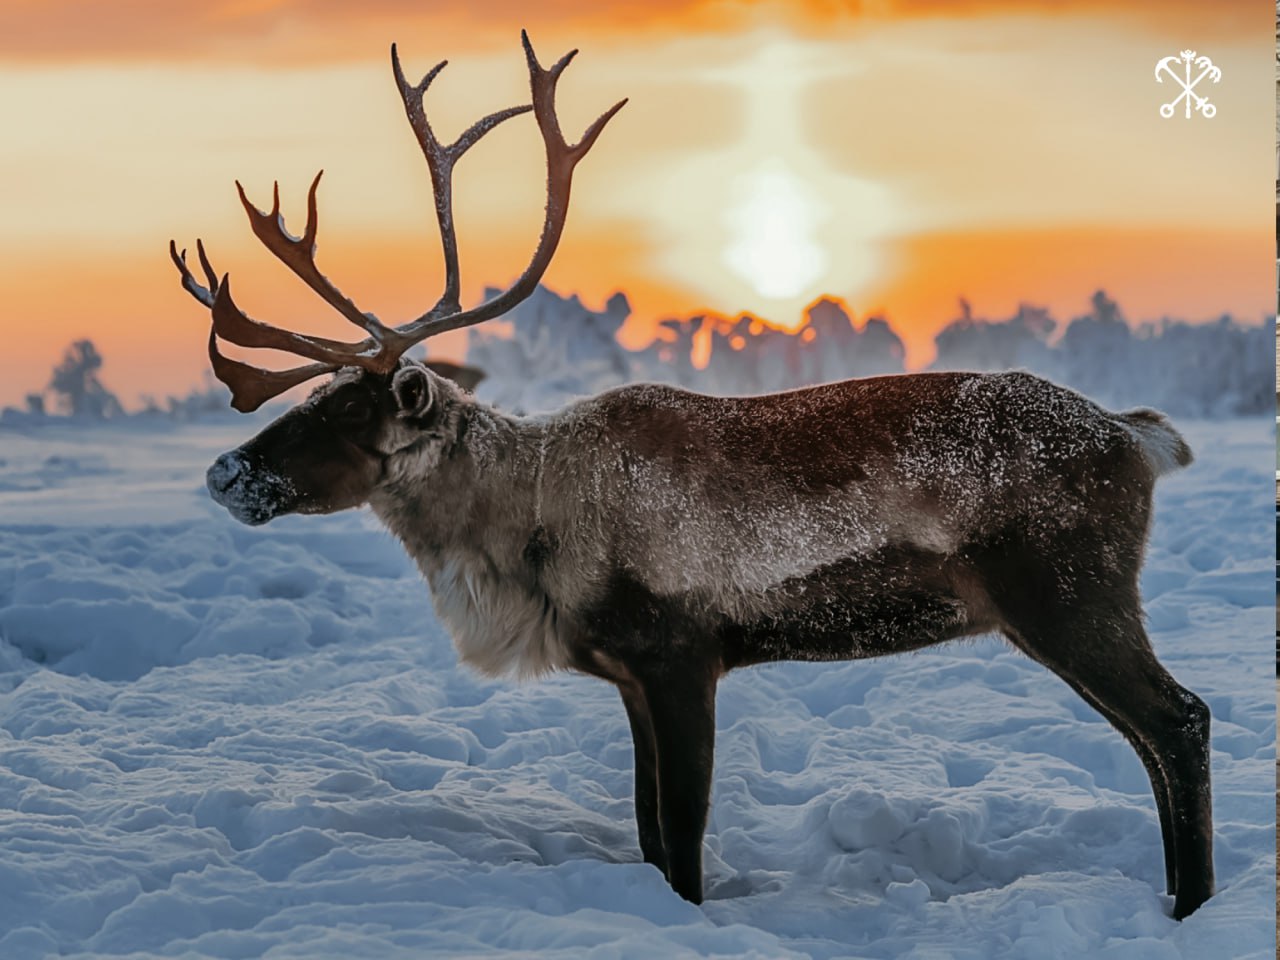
218,741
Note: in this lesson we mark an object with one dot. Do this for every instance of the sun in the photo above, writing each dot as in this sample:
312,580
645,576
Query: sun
763,221
772,224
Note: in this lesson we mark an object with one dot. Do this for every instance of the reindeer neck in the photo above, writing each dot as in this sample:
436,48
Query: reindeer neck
479,499
470,521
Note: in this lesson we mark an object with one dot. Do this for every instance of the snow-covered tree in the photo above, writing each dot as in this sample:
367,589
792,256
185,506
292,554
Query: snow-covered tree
76,387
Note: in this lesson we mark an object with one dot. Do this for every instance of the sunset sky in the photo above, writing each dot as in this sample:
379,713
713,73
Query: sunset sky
897,155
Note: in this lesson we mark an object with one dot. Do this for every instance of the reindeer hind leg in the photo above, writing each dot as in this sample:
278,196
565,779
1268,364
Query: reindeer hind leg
1106,657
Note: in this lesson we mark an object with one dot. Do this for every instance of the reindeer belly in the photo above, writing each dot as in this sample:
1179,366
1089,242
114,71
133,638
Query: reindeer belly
890,601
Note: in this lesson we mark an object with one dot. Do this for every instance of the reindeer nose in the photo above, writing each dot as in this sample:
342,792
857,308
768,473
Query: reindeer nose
224,472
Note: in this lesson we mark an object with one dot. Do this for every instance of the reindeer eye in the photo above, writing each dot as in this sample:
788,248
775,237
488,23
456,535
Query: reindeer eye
354,410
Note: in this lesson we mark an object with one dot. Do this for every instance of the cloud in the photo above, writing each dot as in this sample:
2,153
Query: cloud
297,30
310,31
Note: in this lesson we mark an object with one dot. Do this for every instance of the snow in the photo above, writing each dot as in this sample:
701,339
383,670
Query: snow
218,741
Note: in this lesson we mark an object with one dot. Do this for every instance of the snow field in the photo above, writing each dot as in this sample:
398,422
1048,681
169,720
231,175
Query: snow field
218,741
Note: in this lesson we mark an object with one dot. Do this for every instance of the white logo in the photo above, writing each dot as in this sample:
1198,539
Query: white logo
1188,58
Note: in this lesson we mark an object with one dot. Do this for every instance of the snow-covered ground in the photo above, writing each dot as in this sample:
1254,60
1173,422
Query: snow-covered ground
232,742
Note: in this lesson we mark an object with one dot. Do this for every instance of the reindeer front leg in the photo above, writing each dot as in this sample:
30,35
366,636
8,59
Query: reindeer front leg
646,776
681,701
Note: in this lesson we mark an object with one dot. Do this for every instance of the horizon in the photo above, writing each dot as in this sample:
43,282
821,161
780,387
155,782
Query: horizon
706,326
770,154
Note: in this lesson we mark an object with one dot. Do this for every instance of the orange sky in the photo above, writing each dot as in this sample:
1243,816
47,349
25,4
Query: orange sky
896,155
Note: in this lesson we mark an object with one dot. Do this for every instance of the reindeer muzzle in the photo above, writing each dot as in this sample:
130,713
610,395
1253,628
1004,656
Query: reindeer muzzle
250,493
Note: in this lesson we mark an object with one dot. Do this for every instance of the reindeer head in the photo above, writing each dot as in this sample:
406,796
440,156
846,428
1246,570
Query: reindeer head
329,452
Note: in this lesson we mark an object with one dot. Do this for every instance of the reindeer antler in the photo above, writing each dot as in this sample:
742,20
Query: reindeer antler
380,351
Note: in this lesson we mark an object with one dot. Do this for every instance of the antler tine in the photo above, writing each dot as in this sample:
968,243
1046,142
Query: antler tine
210,274
189,283
482,126
561,160
440,161
252,386
544,89
235,326
298,254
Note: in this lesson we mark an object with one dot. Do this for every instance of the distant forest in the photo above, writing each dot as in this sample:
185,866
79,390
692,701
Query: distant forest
560,349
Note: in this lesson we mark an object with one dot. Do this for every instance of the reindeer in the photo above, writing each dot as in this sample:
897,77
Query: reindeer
657,538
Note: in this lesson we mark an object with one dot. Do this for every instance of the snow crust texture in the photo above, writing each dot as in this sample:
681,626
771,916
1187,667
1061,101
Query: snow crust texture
218,741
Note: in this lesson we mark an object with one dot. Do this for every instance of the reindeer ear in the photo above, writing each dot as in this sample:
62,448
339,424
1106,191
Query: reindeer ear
411,386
